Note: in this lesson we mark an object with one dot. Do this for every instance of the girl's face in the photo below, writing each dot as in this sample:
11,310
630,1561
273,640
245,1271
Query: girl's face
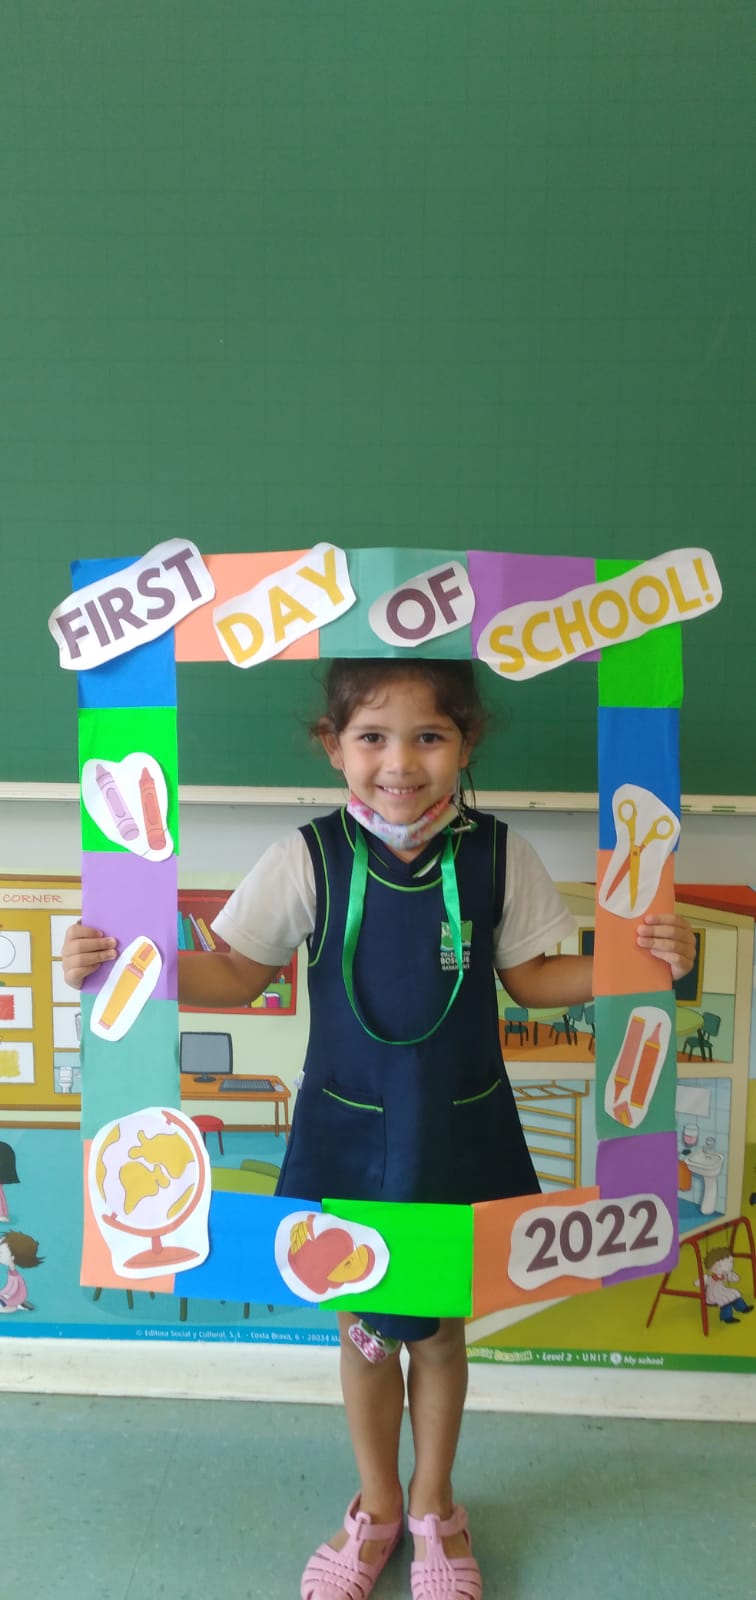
399,753
6,1259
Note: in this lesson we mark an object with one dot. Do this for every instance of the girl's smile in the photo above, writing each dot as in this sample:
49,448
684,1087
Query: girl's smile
398,753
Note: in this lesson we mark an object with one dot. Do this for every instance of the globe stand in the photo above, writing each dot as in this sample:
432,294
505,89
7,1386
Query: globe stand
161,1255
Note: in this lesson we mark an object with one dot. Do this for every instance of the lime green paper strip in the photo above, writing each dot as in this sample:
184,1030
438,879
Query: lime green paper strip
645,672
109,735
430,1258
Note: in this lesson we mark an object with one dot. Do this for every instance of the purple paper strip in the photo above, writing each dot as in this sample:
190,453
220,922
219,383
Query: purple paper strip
645,1164
501,580
126,896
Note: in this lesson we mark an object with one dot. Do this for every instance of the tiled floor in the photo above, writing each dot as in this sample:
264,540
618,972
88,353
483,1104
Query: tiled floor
104,1499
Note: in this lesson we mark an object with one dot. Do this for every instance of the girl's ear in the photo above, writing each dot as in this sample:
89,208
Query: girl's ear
332,747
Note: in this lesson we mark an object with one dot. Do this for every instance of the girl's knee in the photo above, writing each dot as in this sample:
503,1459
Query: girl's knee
448,1344
354,1355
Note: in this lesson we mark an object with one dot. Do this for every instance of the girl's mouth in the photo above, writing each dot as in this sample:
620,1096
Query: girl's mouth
400,794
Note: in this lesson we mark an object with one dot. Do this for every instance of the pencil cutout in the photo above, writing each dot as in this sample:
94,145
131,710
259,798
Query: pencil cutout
126,990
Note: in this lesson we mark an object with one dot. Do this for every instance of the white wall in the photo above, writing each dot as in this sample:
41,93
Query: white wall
42,836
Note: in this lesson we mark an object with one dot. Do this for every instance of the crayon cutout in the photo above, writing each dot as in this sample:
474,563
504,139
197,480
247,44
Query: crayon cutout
151,817
128,801
632,1081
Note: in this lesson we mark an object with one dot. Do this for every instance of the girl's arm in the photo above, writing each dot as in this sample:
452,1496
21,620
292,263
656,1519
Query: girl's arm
210,978
568,980
221,980
549,981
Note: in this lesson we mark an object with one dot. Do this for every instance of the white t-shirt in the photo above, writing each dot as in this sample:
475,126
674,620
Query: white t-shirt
273,910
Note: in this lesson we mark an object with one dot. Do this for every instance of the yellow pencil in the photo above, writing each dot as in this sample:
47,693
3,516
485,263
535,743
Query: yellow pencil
132,975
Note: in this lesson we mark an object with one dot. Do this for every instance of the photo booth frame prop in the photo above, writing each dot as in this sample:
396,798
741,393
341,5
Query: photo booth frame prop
123,630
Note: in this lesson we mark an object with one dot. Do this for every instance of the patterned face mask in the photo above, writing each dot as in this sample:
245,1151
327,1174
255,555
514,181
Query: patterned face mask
406,835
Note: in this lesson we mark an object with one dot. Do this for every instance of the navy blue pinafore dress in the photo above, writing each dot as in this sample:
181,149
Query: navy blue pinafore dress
432,1121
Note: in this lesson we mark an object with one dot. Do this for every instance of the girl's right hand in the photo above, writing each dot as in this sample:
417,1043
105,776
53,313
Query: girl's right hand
83,951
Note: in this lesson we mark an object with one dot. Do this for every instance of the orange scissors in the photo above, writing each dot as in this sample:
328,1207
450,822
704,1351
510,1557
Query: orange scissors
663,827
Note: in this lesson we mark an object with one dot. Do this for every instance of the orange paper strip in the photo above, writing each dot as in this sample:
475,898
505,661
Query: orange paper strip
196,638
619,964
493,1221
97,1271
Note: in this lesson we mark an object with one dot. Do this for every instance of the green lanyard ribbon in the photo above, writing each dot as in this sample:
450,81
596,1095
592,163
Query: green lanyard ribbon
353,927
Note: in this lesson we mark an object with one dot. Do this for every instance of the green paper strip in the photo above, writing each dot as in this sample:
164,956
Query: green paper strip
613,1014
431,1254
112,734
373,573
645,672
124,1075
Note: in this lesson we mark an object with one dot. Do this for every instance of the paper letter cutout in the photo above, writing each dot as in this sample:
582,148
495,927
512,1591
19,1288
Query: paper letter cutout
148,1177
128,800
126,989
538,636
435,602
118,613
647,832
320,1256
587,1241
284,607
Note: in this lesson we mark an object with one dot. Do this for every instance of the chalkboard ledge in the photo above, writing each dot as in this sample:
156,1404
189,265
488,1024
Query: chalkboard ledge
487,799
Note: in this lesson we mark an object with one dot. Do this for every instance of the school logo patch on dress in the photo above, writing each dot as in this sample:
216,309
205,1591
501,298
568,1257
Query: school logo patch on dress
448,958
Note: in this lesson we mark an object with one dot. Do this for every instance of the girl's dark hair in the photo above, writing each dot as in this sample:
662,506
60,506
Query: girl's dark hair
8,1173
349,683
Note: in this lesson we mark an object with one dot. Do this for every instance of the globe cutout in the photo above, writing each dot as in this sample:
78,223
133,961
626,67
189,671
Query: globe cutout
148,1173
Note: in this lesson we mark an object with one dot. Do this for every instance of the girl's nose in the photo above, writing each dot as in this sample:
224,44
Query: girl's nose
401,759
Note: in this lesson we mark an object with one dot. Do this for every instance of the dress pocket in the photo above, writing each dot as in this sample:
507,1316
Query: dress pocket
352,1132
490,1159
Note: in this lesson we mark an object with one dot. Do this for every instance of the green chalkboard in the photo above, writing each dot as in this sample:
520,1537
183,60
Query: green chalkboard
460,276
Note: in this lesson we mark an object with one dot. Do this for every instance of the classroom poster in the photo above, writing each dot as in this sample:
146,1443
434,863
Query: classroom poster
661,1321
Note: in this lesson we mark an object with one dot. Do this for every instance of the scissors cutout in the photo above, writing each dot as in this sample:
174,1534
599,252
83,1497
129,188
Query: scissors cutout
646,834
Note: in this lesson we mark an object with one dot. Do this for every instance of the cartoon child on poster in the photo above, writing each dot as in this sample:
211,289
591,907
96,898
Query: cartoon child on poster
718,1280
17,1249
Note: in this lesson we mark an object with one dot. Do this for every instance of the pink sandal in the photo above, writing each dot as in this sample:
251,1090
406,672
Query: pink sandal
438,1576
341,1574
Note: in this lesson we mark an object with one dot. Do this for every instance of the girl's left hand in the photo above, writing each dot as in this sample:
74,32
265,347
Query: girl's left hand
671,938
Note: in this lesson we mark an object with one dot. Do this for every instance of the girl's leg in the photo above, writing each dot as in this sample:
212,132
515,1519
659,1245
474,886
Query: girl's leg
436,1390
374,1401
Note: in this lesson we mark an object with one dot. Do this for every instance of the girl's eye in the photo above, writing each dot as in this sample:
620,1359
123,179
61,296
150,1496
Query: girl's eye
369,738
430,738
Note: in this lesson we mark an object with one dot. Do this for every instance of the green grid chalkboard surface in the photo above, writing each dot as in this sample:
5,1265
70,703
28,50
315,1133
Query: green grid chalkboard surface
457,275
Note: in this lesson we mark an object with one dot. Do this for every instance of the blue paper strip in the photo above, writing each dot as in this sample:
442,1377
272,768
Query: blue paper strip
242,1265
145,676
638,746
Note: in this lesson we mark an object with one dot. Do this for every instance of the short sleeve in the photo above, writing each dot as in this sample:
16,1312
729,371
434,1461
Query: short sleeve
273,910
534,917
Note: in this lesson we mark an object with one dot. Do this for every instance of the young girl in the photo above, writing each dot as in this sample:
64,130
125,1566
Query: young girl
17,1250
408,902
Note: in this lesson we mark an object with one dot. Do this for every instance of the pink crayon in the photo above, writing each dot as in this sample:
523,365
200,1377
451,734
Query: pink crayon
115,802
